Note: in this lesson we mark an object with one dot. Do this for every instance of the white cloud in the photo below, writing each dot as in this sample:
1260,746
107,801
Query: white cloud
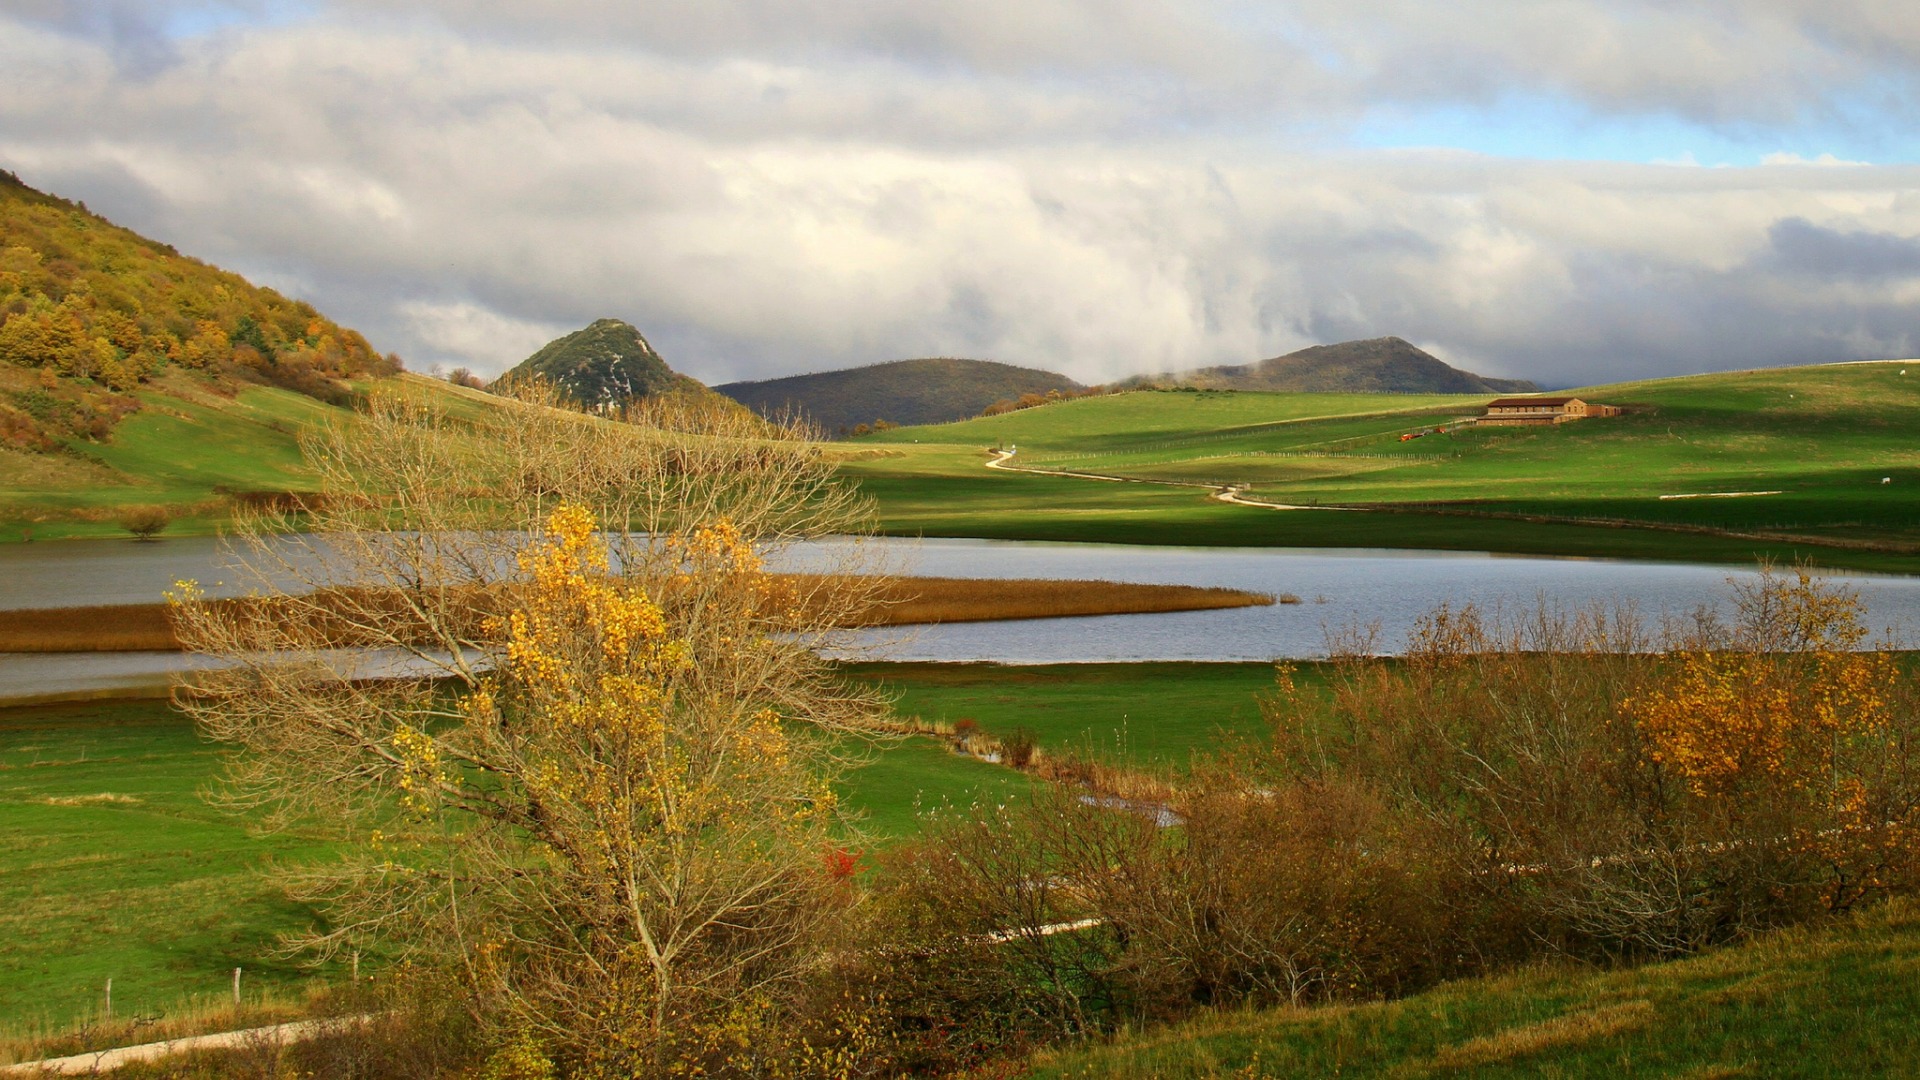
1097,187
466,334
1826,161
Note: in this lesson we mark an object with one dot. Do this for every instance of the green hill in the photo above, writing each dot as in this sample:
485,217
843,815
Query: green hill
607,365
96,311
931,391
1816,462
1839,1001
1387,365
132,375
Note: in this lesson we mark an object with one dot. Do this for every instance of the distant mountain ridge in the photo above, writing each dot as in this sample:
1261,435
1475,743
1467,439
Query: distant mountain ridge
1384,365
605,365
932,390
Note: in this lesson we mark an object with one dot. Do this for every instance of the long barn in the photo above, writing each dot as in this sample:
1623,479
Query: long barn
1543,410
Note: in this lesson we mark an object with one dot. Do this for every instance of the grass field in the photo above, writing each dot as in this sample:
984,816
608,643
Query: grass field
1823,438
112,865
1813,1002
115,867
189,449
1134,714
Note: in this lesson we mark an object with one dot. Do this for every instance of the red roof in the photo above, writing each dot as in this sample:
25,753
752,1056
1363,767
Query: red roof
1529,402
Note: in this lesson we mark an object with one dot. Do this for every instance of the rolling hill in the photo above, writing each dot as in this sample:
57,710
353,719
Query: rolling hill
1814,463
1386,365
929,391
607,365
1833,1000
95,312
132,376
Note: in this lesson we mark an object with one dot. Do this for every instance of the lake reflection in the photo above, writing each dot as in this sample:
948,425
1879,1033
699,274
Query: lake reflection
1338,589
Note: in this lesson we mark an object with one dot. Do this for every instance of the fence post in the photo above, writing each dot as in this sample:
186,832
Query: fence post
236,988
109,999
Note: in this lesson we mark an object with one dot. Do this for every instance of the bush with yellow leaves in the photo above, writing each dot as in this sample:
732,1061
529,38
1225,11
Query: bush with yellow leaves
583,736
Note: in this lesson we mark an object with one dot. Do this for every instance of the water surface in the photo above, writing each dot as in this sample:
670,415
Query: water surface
1338,589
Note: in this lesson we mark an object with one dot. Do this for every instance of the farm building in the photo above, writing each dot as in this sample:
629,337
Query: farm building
1543,410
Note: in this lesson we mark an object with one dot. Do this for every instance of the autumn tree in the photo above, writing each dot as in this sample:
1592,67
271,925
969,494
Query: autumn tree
536,666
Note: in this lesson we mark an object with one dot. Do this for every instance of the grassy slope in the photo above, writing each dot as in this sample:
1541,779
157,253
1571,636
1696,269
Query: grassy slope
112,865
162,894
1836,1001
184,449
1824,436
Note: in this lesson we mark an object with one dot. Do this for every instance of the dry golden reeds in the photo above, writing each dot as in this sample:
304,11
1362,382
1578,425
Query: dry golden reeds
902,602
920,600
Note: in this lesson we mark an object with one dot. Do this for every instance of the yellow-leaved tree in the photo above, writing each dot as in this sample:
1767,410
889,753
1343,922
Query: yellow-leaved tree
1792,741
535,663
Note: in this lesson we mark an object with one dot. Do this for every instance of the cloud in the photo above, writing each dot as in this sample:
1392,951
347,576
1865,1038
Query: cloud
1824,161
465,334
1099,188
1801,247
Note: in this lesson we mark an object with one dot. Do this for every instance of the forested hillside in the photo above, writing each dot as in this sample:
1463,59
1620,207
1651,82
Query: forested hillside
1386,365
135,379
930,391
96,310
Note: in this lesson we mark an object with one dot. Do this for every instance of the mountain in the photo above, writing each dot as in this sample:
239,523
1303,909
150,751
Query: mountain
1387,365
606,365
929,391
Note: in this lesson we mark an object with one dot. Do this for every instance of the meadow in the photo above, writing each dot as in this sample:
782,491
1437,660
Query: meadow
1835,446
194,448
114,865
1840,1000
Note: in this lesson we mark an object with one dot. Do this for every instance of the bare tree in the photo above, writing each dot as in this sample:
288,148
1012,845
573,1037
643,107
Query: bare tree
534,663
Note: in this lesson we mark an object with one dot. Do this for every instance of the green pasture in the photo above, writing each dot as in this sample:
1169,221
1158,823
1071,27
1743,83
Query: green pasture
1813,1002
1838,448
1176,417
187,448
113,865
1152,714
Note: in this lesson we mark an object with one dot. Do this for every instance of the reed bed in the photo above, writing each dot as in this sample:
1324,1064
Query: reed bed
899,602
109,628
921,600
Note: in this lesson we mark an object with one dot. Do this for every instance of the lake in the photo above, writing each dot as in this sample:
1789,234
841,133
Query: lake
1338,589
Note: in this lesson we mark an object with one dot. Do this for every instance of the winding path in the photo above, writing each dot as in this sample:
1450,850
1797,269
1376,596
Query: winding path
1228,494
100,1061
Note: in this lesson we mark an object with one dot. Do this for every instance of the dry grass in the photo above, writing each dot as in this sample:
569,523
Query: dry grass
201,1016
110,628
903,602
911,601
1568,1030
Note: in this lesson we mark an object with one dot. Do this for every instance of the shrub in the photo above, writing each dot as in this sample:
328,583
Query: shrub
1017,746
1635,795
145,522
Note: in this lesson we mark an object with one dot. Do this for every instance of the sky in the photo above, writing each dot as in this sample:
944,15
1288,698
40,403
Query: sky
1572,191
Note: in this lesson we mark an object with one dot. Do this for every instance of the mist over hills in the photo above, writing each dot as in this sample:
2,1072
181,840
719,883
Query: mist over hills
1383,365
925,391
